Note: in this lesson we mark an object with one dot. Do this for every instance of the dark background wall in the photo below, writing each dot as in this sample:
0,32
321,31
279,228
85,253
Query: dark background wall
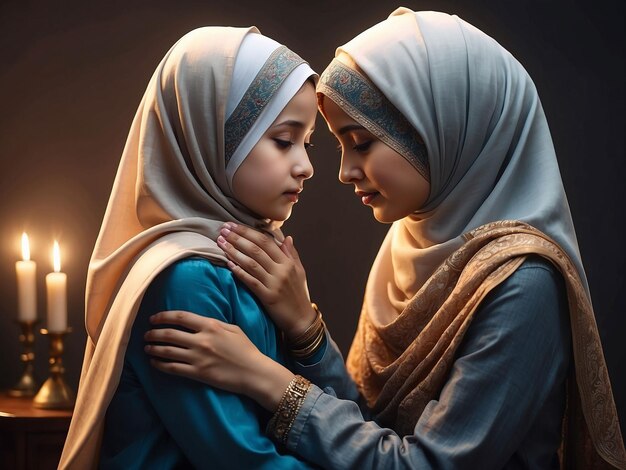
72,74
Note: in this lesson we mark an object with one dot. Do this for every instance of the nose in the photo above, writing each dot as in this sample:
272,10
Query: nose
349,171
303,167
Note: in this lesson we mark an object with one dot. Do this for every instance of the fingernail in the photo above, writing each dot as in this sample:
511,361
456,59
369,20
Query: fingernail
225,231
232,225
221,240
230,264
226,225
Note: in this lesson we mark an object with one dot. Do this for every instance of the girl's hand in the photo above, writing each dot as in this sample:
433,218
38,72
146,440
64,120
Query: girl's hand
273,273
218,354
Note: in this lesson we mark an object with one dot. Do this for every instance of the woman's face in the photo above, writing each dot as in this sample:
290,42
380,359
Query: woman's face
271,177
382,178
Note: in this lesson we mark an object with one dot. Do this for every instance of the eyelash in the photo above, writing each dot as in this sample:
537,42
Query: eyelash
364,147
285,144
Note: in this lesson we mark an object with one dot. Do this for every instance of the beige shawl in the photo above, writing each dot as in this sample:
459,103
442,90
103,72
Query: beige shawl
400,366
170,197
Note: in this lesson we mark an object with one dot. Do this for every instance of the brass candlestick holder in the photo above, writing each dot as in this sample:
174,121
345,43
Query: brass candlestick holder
55,393
27,384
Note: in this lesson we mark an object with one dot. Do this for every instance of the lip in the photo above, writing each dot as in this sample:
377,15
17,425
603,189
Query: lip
366,196
293,195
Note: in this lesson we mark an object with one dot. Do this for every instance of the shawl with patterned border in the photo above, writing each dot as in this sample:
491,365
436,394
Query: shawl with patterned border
401,366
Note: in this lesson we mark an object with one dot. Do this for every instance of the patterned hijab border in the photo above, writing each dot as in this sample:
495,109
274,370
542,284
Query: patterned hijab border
361,100
277,67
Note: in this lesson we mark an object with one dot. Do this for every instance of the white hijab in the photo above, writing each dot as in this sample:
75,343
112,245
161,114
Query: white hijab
172,192
490,153
490,158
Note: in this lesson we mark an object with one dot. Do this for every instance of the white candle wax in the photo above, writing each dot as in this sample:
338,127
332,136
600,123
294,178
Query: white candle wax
26,271
26,290
56,289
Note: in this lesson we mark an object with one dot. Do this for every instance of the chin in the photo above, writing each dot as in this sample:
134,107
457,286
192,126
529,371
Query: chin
384,217
280,216
384,220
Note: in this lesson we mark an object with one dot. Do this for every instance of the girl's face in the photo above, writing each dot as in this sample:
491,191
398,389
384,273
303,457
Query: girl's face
271,177
382,178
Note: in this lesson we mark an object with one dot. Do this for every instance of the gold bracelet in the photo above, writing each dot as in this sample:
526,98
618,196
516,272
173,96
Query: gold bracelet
307,343
308,334
311,348
288,408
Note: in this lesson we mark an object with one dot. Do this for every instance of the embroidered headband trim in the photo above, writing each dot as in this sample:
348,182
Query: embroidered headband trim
361,100
277,67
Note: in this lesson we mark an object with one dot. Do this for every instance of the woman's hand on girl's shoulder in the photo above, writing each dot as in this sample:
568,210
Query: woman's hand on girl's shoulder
273,273
216,353
211,351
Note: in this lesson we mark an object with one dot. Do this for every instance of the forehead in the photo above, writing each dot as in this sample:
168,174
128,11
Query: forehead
303,104
334,115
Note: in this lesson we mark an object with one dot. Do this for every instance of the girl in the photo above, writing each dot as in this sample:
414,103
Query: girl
477,298
221,134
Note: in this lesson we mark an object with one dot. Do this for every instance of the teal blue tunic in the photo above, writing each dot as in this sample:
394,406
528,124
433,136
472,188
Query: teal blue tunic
161,421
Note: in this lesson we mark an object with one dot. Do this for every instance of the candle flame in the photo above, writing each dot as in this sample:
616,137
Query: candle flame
25,247
56,257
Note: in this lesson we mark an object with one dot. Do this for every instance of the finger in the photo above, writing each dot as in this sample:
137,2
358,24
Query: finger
251,266
191,321
285,247
248,248
176,368
292,248
257,287
169,352
253,243
289,249
170,336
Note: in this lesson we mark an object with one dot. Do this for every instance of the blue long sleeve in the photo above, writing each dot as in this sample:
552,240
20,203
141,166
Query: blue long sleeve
157,420
330,372
500,408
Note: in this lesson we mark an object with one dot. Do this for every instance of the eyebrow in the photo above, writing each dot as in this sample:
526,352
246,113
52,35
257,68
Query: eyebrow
350,127
292,123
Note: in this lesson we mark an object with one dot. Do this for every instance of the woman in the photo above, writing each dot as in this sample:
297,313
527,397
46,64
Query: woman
221,134
477,297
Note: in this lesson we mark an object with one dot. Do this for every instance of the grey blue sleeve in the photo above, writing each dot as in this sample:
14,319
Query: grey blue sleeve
329,371
507,377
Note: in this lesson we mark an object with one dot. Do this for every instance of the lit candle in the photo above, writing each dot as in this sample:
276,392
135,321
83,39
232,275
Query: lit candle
56,288
26,284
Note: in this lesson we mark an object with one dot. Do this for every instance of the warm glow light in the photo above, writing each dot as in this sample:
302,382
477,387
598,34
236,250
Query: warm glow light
56,257
25,247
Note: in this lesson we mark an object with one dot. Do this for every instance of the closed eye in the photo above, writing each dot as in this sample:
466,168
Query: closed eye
283,144
364,147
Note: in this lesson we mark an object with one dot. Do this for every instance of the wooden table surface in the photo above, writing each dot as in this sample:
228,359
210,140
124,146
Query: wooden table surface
12,407
30,438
